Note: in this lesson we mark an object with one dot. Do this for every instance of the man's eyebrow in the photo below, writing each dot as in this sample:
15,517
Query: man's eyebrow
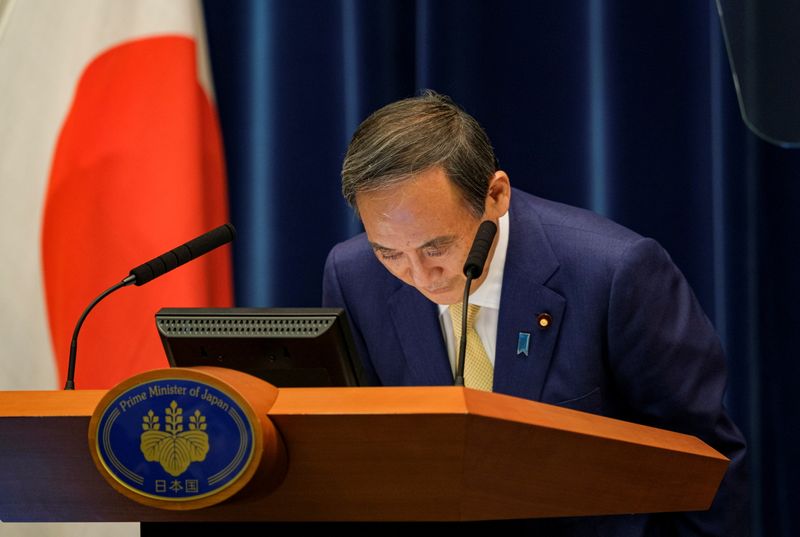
436,242
378,248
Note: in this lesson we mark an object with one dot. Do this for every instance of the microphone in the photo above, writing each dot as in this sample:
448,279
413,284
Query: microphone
183,254
149,271
473,268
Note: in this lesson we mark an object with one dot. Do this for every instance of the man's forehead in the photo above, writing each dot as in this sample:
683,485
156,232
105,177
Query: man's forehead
419,212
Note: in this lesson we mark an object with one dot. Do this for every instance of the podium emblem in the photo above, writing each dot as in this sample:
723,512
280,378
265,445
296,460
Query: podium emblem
174,447
174,439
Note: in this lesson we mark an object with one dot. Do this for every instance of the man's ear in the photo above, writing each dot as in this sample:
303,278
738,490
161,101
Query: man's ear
498,196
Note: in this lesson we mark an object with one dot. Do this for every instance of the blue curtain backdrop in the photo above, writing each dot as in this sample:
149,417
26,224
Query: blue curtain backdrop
625,108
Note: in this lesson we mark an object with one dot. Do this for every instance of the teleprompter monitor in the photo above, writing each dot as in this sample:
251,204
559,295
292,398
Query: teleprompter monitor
287,347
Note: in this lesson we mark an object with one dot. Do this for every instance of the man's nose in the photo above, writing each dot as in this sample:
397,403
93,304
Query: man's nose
424,272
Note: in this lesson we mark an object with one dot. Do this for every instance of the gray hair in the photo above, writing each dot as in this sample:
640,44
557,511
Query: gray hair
410,136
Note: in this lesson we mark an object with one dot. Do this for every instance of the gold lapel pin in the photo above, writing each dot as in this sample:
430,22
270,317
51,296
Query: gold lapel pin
544,320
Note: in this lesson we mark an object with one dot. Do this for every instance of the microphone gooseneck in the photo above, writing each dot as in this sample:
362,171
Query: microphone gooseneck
148,272
73,345
473,268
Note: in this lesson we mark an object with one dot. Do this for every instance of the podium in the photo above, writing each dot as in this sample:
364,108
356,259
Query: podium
374,454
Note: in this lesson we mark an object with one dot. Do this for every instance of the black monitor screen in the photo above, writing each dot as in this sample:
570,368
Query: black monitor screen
300,347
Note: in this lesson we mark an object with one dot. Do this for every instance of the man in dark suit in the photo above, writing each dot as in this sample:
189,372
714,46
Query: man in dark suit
574,310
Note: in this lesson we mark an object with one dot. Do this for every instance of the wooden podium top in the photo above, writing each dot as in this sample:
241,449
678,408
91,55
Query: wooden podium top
371,454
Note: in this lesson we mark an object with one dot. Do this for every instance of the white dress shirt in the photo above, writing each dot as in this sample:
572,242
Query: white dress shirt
487,296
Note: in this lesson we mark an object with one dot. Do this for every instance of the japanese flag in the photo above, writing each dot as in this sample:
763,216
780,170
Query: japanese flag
110,154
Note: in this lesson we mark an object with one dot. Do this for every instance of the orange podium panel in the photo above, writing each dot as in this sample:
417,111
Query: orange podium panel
372,454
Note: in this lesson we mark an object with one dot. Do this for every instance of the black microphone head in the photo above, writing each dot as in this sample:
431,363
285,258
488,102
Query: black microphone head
473,268
183,254
144,273
227,231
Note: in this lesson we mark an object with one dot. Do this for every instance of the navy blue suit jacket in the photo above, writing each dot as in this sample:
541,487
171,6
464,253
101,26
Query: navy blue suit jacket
628,340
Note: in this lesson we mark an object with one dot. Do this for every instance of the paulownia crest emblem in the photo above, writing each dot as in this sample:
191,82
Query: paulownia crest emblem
174,448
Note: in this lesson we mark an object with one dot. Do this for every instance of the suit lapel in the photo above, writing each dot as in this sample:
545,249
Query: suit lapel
416,321
530,262
515,373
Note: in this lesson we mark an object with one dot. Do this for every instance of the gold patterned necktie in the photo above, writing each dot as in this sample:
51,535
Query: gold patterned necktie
478,370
